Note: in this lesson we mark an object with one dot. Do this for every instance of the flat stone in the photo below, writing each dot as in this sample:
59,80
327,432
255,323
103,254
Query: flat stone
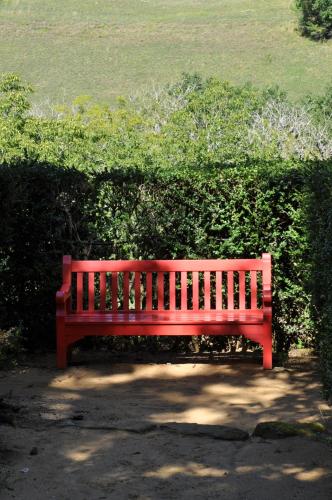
281,430
214,431
140,428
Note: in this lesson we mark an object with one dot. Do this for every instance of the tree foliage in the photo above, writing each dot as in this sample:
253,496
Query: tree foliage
194,122
316,18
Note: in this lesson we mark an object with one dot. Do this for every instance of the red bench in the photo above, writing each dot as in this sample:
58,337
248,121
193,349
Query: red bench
165,297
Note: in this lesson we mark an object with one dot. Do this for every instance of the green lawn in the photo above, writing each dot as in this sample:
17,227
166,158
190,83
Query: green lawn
106,48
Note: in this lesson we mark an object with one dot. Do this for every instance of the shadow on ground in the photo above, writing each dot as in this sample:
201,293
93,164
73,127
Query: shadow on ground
92,427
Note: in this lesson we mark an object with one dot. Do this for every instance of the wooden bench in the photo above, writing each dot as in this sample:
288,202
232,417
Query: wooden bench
165,297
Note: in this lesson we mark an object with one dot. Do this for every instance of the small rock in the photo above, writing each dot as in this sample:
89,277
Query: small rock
274,430
280,430
34,451
25,470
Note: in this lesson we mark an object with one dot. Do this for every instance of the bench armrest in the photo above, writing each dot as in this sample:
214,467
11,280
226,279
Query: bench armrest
267,296
63,294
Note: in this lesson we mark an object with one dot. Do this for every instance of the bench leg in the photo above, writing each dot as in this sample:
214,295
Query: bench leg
267,347
61,355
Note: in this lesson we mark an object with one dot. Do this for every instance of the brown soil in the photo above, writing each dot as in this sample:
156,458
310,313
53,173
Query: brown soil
91,430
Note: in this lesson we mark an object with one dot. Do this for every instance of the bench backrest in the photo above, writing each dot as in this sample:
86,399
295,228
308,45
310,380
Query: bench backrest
124,285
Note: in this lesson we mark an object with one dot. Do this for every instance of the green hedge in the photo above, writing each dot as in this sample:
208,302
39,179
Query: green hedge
135,213
38,206
320,234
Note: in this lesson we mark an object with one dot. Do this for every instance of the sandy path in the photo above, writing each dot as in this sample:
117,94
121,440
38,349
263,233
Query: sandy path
105,462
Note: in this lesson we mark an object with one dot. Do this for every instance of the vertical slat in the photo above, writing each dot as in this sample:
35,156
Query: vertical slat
218,290
114,291
67,276
126,291
137,285
183,290
79,304
160,288
207,290
172,291
230,290
91,289
195,291
253,289
102,288
242,289
149,291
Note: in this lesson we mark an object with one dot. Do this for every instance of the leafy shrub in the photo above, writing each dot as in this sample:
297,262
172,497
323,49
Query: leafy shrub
320,109
11,346
291,132
316,18
205,123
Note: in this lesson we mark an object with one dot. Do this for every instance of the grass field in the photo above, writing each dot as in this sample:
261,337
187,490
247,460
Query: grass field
106,48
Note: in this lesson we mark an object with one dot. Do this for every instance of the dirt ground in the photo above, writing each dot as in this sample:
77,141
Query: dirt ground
89,432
